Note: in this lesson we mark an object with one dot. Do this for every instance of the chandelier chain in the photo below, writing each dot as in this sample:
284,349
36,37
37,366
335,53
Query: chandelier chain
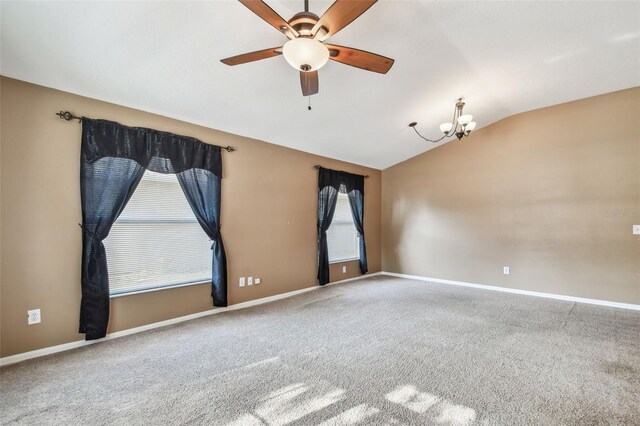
429,140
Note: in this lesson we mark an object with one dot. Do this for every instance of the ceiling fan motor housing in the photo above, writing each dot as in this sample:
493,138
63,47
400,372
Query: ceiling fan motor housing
303,23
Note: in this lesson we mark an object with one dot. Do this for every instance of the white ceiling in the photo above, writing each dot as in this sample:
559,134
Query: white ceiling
163,57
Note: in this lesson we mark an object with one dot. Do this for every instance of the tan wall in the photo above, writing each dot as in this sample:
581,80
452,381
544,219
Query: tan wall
268,218
552,193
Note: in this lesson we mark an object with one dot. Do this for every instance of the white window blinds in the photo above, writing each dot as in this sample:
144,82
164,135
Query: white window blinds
342,237
157,241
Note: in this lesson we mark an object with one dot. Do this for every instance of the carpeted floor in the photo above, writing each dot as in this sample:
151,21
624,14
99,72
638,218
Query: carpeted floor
376,351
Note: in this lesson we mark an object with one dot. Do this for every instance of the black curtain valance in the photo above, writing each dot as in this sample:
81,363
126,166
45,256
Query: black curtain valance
158,151
340,181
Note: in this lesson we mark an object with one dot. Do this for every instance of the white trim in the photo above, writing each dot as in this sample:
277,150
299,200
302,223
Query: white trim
516,291
80,343
12,359
346,280
347,260
159,288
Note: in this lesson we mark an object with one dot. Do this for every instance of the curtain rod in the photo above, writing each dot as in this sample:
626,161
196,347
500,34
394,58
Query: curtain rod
317,166
66,115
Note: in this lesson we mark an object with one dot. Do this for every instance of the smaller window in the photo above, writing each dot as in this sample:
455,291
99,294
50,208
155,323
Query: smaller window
342,237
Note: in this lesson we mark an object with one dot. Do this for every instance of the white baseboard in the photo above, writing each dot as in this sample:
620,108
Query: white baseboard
516,291
80,343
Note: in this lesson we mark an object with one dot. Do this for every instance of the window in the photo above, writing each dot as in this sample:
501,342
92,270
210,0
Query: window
157,241
342,237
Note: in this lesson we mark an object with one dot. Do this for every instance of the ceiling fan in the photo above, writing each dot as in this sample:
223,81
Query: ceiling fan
306,49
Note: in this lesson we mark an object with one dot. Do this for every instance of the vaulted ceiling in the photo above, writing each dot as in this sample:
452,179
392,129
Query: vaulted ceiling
164,57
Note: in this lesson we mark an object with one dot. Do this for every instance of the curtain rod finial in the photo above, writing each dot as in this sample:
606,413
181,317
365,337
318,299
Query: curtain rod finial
66,115
229,148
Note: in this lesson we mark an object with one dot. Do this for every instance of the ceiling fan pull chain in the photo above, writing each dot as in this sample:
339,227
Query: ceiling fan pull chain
309,107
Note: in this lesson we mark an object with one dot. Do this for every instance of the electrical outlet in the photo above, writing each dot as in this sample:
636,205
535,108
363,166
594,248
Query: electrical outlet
257,281
241,281
344,269
250,281
505,270
636,229
33,317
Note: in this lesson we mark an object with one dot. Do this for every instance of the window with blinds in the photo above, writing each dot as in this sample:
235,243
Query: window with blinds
342,237
157,241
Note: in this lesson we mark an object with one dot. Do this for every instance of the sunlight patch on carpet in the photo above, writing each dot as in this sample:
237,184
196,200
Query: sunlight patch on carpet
440,410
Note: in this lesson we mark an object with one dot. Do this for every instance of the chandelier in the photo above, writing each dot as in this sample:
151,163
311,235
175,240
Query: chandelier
461,124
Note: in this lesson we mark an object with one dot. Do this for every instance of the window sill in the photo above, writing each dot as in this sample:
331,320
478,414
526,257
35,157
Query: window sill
331,262
154,289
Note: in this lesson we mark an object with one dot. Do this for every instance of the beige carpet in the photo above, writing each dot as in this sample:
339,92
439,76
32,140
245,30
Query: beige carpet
377,351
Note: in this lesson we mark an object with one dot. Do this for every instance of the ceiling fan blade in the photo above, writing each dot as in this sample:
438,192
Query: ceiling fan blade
309,82
252,56
263,10
360,58
340,14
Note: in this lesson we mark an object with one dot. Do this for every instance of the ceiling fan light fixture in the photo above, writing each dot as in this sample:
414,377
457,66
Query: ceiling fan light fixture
305,54
305,51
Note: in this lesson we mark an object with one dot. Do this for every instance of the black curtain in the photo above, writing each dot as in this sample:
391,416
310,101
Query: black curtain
202,190
327,200
356,202
330,182
113,160
106,185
